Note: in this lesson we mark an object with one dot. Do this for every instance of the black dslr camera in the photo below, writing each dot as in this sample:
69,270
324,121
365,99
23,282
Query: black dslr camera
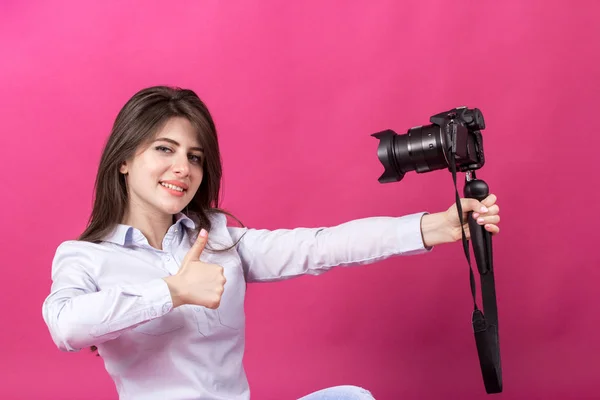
454,141
429,148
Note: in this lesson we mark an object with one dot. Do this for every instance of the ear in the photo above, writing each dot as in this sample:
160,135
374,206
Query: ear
123,168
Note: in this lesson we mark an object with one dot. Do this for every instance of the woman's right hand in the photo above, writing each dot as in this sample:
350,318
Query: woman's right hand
196,282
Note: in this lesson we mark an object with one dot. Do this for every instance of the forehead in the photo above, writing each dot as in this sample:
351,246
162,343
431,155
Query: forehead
181,130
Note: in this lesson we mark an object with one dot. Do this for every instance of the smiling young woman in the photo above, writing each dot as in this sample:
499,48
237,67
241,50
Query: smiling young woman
156,282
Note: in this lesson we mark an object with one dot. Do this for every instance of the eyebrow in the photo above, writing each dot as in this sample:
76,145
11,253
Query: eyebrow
177,144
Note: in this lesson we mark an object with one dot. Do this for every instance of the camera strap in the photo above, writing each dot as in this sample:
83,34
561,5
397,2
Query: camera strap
485,324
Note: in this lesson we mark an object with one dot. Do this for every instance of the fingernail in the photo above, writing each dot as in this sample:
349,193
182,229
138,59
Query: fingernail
475,215
484,209
203,232
480,220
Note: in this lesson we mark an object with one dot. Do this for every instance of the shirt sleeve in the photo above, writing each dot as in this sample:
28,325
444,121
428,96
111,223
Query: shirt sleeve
78,315
269,255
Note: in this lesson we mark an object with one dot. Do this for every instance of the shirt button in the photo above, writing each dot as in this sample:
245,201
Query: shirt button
165,308
168,258
153,312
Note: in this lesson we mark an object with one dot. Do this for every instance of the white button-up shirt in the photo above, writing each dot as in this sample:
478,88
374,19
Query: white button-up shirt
112,295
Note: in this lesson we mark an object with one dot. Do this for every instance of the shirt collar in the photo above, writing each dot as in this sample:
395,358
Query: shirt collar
181,218
123,234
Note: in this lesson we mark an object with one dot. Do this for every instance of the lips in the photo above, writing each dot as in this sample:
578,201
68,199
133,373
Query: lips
175,185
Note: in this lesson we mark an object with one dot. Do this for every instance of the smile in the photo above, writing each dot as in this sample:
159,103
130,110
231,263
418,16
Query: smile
172,187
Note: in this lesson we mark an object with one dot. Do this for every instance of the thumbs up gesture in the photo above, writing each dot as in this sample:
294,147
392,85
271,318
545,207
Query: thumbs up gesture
196,282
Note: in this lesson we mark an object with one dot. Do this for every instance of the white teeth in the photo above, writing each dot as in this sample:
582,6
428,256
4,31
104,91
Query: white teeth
168,185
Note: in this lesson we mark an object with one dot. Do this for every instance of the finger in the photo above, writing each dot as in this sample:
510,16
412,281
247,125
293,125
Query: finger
198,246
489,219
493,229
493,210
473,205
490,200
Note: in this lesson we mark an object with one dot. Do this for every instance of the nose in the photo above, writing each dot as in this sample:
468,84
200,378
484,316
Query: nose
181,166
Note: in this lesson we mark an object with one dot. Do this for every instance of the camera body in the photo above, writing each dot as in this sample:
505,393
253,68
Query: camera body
455,133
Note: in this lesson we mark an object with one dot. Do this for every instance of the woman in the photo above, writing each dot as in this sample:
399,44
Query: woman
156,282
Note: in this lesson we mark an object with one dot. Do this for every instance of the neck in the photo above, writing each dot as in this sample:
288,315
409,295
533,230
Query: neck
153,225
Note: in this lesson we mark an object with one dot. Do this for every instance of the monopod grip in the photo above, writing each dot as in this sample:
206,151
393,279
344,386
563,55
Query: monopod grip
479,237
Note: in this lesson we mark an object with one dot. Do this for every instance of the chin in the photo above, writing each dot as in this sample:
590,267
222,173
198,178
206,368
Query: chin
172,209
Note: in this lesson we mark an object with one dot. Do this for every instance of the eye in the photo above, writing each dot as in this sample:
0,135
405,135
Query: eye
195,159
163,149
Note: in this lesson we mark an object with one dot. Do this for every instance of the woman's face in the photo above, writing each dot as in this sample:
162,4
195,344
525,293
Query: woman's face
164,176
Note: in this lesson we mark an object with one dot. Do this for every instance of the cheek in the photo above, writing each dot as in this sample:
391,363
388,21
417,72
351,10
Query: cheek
156,169
198,176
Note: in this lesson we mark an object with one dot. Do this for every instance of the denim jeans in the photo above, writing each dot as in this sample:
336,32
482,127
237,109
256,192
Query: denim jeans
345,392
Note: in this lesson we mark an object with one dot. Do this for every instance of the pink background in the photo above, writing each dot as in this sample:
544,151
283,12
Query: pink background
296,89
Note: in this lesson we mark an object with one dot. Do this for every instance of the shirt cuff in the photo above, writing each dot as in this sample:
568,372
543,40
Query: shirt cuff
157,294
154,301
410,235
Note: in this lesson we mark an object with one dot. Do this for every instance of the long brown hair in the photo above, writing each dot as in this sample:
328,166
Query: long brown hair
137,122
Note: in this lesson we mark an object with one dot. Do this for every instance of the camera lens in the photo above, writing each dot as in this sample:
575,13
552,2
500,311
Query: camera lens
421,149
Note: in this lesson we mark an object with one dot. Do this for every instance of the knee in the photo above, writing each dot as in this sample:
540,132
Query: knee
342,392
361,393
351,392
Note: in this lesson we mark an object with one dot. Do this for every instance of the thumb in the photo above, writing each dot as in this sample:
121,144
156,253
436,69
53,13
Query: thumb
198,246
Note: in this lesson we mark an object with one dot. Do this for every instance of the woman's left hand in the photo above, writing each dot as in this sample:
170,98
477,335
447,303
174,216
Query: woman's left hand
488,216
